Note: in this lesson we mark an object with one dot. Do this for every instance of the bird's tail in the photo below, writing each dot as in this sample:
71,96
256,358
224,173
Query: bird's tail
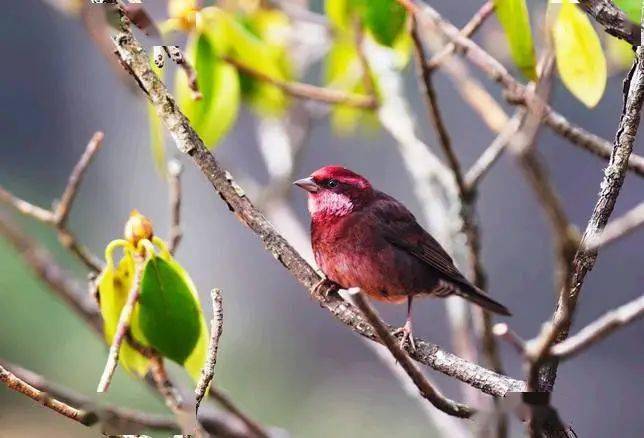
477,296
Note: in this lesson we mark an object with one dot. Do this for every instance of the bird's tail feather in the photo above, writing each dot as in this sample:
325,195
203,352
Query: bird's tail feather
477,296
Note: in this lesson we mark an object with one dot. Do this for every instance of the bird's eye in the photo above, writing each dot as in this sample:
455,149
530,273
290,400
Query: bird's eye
332,183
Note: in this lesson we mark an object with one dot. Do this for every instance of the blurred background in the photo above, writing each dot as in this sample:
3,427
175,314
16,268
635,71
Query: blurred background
284,360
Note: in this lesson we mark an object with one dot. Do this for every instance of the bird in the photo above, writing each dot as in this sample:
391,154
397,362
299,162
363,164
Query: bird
363,238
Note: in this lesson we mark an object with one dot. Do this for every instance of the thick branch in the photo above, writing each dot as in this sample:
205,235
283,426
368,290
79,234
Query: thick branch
610,187
134,58
613,20
599,329
426,389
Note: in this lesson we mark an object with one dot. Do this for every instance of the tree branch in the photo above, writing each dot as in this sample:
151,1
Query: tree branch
519,94
134,58
308,91
14,383
618,228
104,414
58,217
613,20
174,181
599,329
427,390
584,260
216,327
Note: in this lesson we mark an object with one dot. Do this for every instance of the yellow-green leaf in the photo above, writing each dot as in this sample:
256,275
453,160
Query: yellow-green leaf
515,20
632,8
168,311
214,114
580,59
113,289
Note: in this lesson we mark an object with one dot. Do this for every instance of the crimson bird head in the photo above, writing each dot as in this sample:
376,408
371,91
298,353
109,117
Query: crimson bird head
335,191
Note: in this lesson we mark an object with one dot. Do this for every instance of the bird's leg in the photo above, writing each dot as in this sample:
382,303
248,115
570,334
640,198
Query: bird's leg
406,330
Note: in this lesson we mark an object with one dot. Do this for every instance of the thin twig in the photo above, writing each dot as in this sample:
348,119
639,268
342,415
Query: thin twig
133,56
519,94
58,217
493,152
62,210
433,395
216,328
600,328
230,406
174,182
618,228
175,54
436,119
122,328
614,21
467,31
59,282
104,414
502,330
16,384
308,91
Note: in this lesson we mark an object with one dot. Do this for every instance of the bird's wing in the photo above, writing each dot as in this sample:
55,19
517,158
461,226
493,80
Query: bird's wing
403,231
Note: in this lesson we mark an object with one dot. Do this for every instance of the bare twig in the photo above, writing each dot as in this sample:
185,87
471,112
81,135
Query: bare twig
308,91
467,31
599,329
122,328
105,414
216,327
225,401
618,228
433,395
502,330
14,383
175,54
174,181
61,212
58,217
493,152
133,56
519,94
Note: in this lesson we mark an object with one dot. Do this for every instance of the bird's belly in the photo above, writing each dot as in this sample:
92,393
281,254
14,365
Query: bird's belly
384,274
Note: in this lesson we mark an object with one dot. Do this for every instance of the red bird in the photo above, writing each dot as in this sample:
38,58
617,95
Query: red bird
364,238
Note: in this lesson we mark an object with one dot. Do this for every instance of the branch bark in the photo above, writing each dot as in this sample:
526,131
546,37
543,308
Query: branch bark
134,59
426,389
599,329
613,20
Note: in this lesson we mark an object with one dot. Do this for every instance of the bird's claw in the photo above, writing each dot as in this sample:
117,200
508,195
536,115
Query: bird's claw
324,287
407,335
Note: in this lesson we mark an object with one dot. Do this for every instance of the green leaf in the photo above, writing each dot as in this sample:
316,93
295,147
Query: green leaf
113,289
580,59
215,113
168,311
632,8
515,20
385,19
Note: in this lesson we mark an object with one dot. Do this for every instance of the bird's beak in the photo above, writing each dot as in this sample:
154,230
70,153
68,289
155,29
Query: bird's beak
307,184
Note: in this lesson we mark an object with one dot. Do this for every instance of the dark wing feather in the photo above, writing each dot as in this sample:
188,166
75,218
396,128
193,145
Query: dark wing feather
403,231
